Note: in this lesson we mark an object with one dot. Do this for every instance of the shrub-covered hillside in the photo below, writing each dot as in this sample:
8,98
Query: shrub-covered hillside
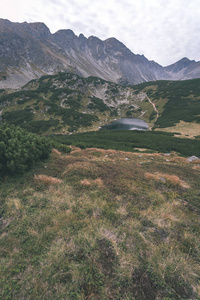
176,101
67,103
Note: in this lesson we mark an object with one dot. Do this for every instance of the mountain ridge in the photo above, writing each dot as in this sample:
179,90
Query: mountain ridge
30,50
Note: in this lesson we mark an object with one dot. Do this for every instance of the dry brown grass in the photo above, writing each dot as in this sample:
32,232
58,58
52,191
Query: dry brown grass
143,154
17,203
141,149
79,165
197,167
75,150
122,210
96,149
98,182
14,204
173,179
186,129
86,182
166,215
55,151
178,159
47,179
33,232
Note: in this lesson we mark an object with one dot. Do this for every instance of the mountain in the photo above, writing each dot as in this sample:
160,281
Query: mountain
29,50
66,102
184,69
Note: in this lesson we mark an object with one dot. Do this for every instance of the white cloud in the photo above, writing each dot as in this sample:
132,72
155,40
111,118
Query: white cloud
164,31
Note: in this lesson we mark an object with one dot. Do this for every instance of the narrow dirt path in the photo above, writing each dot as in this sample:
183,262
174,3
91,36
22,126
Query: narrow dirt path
154,107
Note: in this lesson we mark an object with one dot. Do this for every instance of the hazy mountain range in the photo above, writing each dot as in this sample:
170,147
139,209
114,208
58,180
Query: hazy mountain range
29,50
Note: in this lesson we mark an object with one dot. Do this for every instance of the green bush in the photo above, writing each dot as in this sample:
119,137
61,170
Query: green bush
24,95
80,145
62,147
18,117
58,92
97,103
40,125
19,149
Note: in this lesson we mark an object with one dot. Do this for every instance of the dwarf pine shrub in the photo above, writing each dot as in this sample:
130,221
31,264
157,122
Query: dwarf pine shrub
20,149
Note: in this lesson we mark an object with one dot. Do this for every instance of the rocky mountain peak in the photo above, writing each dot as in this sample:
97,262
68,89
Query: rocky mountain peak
82,37
29,50
65,33
5,24
113,43
183,63
37,30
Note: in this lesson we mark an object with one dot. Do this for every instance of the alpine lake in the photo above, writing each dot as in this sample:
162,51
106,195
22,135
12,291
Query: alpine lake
126,124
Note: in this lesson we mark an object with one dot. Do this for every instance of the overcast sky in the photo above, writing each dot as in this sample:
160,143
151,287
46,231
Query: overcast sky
163,30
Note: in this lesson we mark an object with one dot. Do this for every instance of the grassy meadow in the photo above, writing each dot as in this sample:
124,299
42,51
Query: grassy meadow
102,224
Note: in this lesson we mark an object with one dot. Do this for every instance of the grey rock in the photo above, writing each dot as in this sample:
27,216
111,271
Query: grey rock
162,179
192,158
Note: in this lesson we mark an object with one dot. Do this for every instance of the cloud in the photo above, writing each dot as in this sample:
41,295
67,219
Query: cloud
164,31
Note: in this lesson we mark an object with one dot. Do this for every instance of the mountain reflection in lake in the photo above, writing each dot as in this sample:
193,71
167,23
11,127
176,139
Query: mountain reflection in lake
127,124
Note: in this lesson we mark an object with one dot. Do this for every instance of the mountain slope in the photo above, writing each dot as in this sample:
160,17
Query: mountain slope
66,102
178,104
29,50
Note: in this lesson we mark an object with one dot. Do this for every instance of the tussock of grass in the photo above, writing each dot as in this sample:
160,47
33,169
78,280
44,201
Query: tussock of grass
56,152
86,182
98,182
15,203
47,179
173,179
197,167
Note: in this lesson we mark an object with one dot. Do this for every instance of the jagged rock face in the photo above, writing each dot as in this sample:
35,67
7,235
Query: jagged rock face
29,50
